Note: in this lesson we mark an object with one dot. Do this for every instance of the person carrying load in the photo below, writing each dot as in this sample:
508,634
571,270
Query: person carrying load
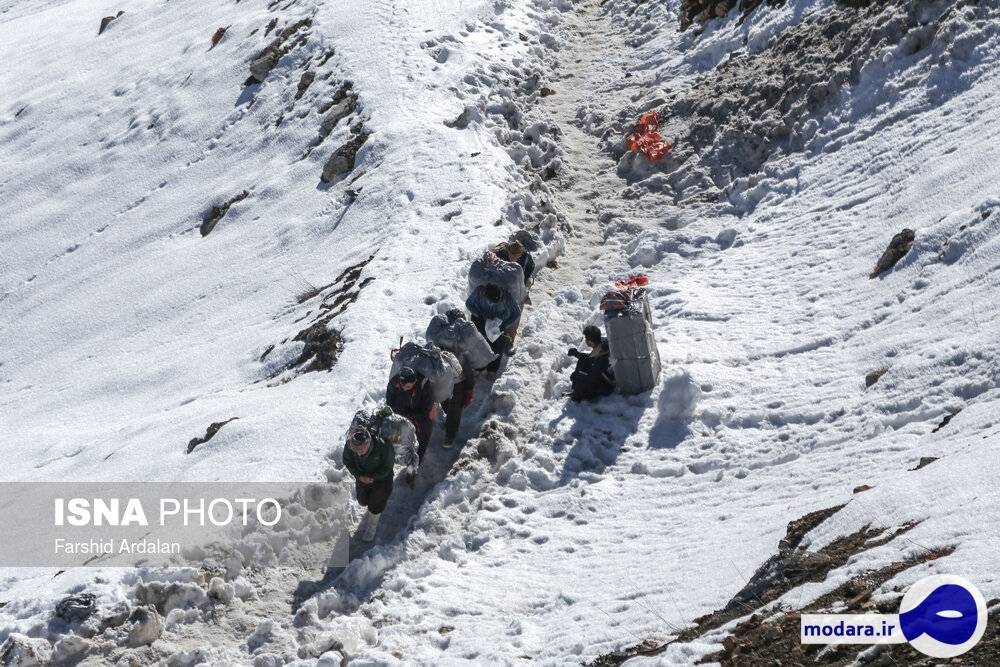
453,333
593,377
496,292
513,251
375,442
410,394
421,376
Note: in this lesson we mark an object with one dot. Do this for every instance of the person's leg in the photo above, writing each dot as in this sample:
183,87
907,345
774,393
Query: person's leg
423,425
454,409
512,330
381,489
363,492
480,323
499,347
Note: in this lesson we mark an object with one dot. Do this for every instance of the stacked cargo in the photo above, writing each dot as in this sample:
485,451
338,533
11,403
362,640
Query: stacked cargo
629,325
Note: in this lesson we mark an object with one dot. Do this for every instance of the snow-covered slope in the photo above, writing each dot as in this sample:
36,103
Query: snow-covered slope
128,332
807,135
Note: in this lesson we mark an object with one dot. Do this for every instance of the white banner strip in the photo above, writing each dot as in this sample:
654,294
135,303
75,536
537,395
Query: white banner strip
851,629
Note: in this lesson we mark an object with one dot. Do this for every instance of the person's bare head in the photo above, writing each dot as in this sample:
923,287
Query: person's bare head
407,378
360,440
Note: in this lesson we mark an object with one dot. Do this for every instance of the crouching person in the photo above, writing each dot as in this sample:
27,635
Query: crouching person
374,443
593,377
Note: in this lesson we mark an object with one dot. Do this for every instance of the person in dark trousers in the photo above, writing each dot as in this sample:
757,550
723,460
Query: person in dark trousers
514,252
371,460
410,394
593,377
461,395
490,302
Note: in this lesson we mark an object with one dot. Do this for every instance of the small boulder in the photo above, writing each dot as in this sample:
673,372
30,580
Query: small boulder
862,488
23,651
106,21
898,247
217,36
304,82
146,626
874,376
70,649
343,159
924,462
462,120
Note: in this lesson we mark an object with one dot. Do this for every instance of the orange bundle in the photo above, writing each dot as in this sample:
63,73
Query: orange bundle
647,140
638,280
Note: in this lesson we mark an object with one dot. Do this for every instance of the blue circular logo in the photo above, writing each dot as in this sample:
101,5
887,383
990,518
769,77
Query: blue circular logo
943,616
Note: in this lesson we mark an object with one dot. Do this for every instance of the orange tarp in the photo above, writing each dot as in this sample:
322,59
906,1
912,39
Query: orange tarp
647,140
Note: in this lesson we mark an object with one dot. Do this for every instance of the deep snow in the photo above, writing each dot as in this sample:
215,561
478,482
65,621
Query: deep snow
562,531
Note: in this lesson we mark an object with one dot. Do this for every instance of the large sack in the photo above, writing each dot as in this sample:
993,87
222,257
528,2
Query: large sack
429,361
491,270
634,357
462,339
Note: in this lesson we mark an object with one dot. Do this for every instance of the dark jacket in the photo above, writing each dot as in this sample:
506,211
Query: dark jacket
377,463
506,310
526,262
593,376
416,403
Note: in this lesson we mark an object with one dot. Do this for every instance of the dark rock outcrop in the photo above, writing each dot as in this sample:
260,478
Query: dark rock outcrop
898,247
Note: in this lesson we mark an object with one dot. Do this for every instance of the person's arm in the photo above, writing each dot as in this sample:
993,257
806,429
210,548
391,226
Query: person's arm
386,467
513,315
391,395
350,461
425,397
529,267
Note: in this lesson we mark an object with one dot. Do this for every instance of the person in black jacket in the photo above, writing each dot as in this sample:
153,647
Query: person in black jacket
410,394
593,377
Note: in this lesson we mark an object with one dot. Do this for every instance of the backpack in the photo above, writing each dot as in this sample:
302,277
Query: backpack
431,362
491,270
462,339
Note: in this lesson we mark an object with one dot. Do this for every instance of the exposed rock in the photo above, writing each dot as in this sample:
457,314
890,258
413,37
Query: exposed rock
116,616
265,61
70,649
209,434
342,160
771,98
304,82
645,648
322,346
106,21
76,608
339,111
146,627
924,462
217,36
898,247
218,211
23,651
462,120
947,419
874,376
862,488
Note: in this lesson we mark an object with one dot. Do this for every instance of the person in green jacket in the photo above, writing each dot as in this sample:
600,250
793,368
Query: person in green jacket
370,456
